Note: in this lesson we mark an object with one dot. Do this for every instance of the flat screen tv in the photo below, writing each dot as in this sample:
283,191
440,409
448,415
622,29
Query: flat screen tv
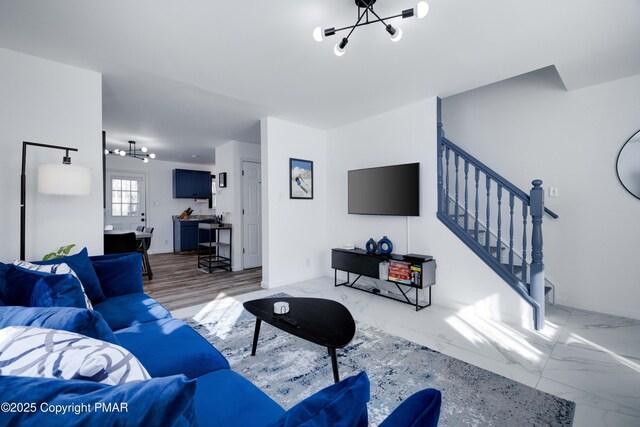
387,190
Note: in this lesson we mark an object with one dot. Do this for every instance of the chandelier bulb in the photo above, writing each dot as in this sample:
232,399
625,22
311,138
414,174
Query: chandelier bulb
339,49
397,36
143,149
106,152
145,160
152,156
318,34
422,9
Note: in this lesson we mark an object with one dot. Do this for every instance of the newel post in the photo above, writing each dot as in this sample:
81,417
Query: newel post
440,142
537,265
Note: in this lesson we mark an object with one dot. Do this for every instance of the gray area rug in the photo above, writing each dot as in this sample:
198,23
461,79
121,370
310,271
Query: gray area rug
290,369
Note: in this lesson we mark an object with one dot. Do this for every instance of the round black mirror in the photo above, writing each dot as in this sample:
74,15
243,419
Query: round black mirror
628,165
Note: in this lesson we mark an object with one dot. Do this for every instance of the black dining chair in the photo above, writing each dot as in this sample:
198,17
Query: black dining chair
120,243
141,248
140,228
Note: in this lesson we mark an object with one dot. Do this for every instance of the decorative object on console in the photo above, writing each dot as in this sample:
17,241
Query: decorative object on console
133,152
222,180
385,246
62,179
300,179
365,7
628,165
371,246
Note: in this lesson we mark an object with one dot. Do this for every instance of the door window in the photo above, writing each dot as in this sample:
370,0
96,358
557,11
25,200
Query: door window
125,197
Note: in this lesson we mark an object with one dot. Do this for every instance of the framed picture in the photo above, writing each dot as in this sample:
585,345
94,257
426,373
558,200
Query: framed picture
300,179
222,179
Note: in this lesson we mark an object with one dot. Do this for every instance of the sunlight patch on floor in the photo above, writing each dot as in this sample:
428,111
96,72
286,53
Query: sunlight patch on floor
475,324
577,339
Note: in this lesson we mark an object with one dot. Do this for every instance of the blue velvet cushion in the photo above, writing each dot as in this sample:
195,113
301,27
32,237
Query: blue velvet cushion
18,285
154,402
2,304
82,266
245,406
341,404
36,288
131,309
82,321
170,347
422,409
57,290
3,268
119,274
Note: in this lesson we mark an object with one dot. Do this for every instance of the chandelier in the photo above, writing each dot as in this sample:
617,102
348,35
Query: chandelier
365,10
134,152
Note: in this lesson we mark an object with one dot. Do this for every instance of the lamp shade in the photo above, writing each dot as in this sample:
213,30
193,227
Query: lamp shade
65,180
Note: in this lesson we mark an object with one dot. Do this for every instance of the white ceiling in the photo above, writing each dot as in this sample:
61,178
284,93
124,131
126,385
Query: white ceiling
184,76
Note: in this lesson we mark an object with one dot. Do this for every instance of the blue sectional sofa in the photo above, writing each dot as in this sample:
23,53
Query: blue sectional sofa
191,384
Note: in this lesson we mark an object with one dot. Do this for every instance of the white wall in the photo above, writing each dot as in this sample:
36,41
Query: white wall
530,127
229,158
408,135
294,231
50,103
160,202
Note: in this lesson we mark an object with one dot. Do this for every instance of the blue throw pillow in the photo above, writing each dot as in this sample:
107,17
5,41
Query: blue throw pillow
57,290
82,266
3,268
164,401
19,284
119,274
82,321
2,304
36,288
422,409
342,404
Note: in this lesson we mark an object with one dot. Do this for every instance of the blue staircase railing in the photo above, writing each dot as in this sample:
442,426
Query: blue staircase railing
480,226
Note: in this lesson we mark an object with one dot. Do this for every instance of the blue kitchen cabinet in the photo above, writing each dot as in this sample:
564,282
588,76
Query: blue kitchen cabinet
191,184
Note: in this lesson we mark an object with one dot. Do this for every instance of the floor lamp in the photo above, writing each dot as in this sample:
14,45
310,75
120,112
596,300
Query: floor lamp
60,179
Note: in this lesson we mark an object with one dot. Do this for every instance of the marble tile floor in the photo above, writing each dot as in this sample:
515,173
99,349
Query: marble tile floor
590,358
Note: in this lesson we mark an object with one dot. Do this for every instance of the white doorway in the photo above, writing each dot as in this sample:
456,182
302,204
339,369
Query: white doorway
126,200
251,215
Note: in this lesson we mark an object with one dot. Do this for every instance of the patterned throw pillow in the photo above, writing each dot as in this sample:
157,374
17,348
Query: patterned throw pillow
54,269
49,353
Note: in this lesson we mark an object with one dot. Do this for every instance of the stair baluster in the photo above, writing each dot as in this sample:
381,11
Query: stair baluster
476,224
511,200
446,187
487,227
524,242
499,239
456,210
466,196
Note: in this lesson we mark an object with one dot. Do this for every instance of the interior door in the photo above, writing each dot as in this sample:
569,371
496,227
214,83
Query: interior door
252,215
125,200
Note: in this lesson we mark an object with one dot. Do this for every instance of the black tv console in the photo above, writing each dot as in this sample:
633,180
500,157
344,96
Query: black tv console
357,261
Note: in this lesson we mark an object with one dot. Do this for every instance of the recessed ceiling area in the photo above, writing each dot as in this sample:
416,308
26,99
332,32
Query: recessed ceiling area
190,75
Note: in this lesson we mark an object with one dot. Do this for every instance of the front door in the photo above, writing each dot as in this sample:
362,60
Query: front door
252,215
125,200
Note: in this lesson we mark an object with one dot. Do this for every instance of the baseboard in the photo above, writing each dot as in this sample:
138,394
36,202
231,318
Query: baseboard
633,314
289,281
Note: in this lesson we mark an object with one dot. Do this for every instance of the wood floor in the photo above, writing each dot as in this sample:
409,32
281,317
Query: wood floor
177,283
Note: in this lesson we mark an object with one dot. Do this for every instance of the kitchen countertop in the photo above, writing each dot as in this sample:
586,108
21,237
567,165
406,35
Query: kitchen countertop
194,218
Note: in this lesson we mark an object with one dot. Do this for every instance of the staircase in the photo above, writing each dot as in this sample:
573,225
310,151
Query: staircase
499,222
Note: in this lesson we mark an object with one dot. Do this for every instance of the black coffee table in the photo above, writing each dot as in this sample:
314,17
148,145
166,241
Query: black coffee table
320,321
